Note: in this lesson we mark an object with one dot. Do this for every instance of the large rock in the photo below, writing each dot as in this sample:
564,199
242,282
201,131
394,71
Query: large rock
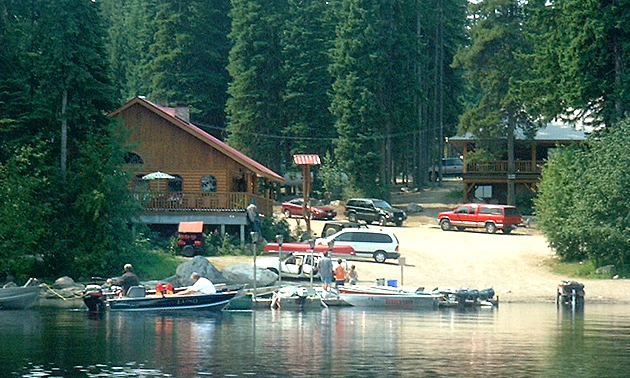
607,270
202,266
66,282
239,274
413,208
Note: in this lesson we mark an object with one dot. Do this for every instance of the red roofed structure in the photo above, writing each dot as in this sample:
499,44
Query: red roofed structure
306,160
213,182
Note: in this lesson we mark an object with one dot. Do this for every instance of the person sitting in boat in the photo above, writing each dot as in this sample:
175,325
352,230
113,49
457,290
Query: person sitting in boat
353,276
127,280
201,285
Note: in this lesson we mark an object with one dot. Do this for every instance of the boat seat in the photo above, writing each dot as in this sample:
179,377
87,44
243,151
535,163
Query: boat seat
136,292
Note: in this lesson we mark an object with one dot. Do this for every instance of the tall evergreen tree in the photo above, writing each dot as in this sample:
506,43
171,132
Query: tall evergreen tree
306,42
189,57
494,64
14,90
255,106
60,56
372,97
581,51
129,38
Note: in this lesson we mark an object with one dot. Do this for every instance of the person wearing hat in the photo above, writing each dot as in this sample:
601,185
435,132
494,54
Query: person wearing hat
127,280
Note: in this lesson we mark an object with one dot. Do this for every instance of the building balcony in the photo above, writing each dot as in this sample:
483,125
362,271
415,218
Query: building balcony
202,202
497,171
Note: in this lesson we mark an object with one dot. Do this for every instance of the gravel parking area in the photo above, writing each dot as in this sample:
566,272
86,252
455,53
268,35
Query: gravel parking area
512,264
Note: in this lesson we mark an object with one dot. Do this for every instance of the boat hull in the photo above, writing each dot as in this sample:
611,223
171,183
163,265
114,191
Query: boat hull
399,301
18,298
172,302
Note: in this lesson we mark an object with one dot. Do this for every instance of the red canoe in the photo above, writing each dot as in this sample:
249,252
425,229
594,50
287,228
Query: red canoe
342,250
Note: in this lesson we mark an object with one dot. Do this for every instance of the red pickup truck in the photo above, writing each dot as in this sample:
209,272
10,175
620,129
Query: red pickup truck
477,215
338,250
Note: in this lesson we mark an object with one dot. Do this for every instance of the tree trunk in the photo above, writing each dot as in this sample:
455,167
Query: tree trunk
511,178
64,134
619,105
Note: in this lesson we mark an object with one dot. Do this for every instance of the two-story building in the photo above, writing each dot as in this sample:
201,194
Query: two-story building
487,180
206,180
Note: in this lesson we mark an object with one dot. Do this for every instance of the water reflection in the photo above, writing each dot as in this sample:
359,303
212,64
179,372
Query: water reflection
515,340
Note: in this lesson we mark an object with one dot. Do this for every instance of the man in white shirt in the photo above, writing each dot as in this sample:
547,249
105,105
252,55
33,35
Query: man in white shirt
200,285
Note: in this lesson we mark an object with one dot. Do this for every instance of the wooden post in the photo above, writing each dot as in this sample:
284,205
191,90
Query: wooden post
306,189
306,161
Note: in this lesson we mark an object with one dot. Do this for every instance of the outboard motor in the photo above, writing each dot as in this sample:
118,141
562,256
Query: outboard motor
486,294
461,296
93,298
473,295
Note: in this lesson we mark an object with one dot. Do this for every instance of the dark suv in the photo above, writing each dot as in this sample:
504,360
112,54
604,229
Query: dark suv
373,210
336,226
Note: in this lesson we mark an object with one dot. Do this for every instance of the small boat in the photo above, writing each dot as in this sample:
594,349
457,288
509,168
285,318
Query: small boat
296,298
464,297
96,299
18,297
387,297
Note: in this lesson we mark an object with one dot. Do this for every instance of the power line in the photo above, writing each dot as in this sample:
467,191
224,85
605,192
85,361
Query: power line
289,137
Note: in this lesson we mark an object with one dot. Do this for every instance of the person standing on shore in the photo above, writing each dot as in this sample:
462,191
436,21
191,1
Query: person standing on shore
325,271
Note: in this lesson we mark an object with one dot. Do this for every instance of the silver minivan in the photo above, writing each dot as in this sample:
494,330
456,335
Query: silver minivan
367,242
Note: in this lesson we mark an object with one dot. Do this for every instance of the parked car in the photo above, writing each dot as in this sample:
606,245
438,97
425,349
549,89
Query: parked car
336,226
373,210
474,215
338,250
296,265
367,242
317,209
451,167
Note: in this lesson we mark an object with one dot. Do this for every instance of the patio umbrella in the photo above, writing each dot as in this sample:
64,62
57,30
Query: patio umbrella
158,176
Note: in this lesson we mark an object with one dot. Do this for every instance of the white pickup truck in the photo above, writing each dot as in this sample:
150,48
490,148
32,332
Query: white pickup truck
296,265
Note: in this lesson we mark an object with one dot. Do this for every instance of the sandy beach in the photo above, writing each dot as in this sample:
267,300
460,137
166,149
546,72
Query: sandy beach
511,264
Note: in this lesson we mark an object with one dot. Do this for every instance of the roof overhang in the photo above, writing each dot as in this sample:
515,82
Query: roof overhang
169,115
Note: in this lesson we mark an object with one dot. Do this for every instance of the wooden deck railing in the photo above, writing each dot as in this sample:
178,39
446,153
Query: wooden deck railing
491,167
183,201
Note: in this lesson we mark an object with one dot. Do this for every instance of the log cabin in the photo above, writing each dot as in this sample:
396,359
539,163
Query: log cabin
204,179
486,181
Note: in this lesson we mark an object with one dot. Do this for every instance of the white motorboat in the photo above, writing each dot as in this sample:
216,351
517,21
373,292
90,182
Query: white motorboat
387,297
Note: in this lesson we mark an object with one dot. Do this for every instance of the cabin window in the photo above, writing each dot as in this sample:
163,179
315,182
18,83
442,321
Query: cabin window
133,158
175,185
208,184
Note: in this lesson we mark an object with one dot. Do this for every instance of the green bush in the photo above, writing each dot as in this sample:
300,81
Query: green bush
270,227
582,203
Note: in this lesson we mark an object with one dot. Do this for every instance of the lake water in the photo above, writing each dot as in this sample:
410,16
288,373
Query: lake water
515,340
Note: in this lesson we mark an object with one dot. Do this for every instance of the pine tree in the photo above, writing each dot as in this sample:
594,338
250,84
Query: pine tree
581,49
189,57
306,42
254,107
62,68
373,88
494,64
